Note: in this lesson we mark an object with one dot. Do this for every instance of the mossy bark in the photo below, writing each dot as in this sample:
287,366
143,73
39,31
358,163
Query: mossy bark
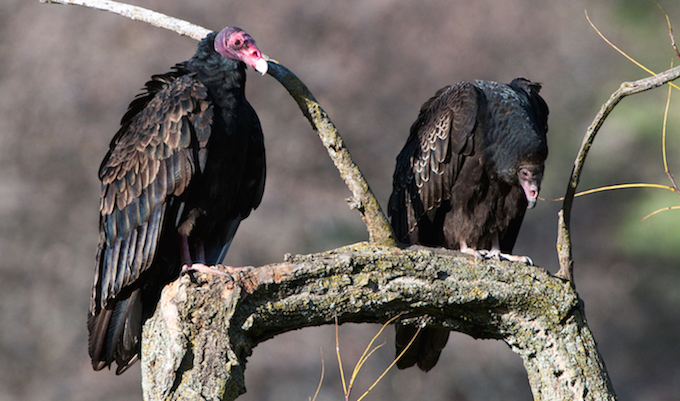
196,343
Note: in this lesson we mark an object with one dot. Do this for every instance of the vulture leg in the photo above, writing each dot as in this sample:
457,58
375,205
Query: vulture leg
201,267
185,251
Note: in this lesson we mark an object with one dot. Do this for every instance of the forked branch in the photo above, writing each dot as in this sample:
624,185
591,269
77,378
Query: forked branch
626,89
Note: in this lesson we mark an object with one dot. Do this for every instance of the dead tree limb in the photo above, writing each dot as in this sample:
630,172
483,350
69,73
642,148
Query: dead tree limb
195,346
363,200
140,14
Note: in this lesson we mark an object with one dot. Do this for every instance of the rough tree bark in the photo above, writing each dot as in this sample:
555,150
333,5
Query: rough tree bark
196,344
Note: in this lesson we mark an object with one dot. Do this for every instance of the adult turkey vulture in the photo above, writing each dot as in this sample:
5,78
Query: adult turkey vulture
471,167
186,166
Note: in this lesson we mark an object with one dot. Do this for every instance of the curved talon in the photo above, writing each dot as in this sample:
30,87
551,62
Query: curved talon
491,254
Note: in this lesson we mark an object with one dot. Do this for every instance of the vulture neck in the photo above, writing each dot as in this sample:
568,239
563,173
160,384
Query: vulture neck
220,74
526,146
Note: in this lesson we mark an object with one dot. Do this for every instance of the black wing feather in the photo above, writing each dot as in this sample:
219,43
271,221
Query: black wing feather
153,155
427,167
155,150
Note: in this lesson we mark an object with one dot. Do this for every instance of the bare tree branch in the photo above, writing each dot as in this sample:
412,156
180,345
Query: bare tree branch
379,229
202,333
626,89
140,14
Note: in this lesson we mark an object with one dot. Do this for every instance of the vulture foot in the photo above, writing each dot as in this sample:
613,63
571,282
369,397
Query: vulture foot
474,252
202,268
505,256
223,271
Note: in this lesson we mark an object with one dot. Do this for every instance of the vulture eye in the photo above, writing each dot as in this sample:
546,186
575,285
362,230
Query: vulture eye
238,42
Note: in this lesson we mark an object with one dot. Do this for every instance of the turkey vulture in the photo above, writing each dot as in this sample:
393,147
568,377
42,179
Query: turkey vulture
471,167
186,166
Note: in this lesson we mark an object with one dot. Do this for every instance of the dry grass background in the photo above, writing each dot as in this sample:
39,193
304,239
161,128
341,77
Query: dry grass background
67,75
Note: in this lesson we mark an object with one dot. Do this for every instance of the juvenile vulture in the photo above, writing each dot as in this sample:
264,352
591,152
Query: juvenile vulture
186,166
471,167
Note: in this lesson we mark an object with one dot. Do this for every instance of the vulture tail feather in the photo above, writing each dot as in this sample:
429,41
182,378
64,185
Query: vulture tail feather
116,333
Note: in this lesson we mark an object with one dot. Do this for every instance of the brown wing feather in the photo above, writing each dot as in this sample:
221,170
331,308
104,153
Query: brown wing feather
429,163
153,156
482,133
440,140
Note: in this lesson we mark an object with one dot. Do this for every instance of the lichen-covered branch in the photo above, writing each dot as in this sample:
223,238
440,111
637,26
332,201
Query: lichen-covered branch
200,336
363,200
626,89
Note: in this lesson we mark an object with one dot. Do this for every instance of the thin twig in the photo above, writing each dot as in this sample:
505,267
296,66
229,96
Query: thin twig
663,141
323,372
626,89
367,354
617,187
624,54
337,353
663,209
379,230
394,362
670,29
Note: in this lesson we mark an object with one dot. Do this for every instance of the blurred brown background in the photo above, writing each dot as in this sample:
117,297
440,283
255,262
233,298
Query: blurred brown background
67,75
